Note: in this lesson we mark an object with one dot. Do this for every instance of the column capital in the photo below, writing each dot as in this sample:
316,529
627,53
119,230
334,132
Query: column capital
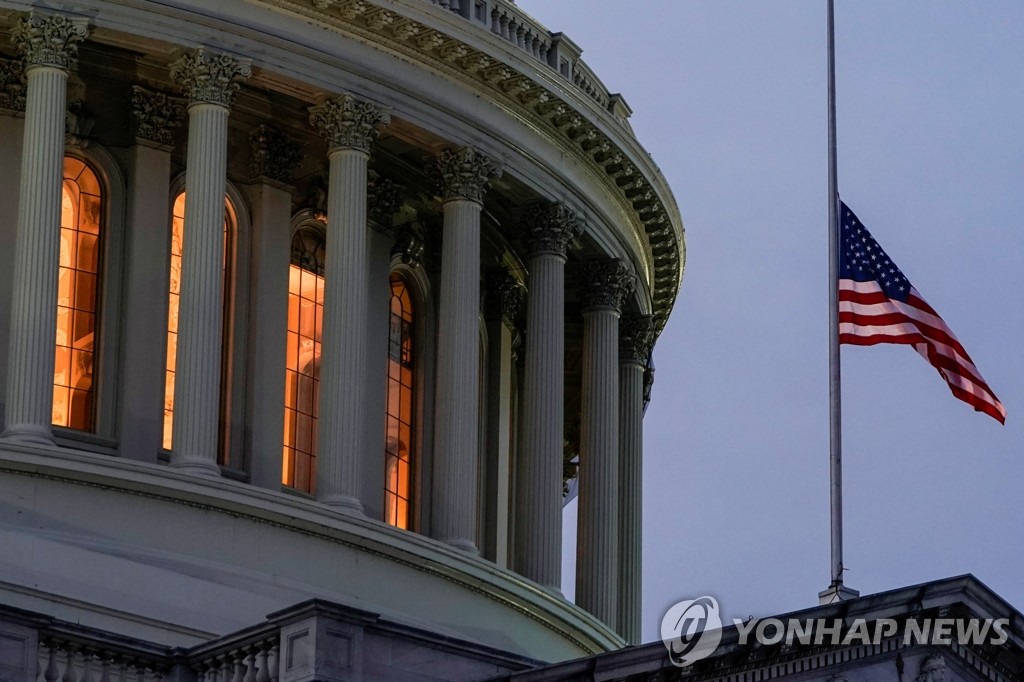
605,283
503,297
383,198
12,85
550,228
349,123
210,78
465,174
636,338
154,115
49,40
274,155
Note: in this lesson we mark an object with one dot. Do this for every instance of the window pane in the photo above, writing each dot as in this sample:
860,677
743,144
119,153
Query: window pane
398,459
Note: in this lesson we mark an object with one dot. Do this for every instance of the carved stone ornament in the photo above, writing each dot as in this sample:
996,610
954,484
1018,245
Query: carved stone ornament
504,297
349,123
605,283
383,198
465,173
274,155
933,669
12,85
409,245
78,124
550,228
155,115
636,338
210,79
49,40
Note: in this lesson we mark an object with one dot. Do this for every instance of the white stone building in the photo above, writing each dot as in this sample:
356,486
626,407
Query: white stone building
310,308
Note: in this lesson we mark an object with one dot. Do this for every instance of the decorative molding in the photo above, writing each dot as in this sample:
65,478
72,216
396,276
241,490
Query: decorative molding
383,198
274,155
49,40
78,124
409,245
933,669
155,115
605,283
465,174
550,228
503,297
12,84
210,79
636,339
349,123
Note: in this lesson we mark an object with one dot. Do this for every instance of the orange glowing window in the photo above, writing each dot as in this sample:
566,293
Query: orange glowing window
77,297
173,300
302,366
398,458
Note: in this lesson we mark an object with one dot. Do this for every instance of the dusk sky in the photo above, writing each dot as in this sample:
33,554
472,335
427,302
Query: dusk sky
730,99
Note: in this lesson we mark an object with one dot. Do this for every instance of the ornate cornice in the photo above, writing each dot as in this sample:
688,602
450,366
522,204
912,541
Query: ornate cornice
12,84
383,198
349,123
409,245
549,108
274,155
465,174
636,339
210,78
550,228
605,283
503,298
155,115
49,40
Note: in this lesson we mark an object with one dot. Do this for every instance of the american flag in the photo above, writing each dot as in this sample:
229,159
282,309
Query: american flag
877,304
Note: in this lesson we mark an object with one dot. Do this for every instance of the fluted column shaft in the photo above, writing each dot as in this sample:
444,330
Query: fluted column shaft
33,327
350,126
210,83
340,427
597,566
464,179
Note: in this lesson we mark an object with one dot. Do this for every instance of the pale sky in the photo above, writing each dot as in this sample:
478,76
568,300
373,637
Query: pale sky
730,98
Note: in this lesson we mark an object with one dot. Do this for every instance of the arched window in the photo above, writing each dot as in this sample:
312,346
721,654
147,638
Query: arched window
173,294
302,366
77,297
398,458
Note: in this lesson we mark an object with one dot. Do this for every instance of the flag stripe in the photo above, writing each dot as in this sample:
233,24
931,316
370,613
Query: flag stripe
877,304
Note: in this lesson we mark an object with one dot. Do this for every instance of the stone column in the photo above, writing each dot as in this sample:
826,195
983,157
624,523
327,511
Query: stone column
154,115
273,160
49,45
464,178
211,82
547,231
503,299
350,127
636,336
604,286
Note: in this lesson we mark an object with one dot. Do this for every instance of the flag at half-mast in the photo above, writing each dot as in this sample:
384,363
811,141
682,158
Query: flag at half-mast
877,304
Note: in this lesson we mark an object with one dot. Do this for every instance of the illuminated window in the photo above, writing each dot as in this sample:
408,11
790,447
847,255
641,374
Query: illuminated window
77,298
302,367
398,458
173,295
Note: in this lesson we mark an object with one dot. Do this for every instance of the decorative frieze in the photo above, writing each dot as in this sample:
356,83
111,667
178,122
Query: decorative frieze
605,283
550,228
12,84
349,123
49,40
384,198
154,115
465,174
636,338
503,297
210,78
274,155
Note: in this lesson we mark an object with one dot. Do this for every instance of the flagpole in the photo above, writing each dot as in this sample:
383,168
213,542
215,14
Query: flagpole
836,591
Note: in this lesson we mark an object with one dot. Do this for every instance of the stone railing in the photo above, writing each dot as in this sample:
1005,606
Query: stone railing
554,50
253,658
65,658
